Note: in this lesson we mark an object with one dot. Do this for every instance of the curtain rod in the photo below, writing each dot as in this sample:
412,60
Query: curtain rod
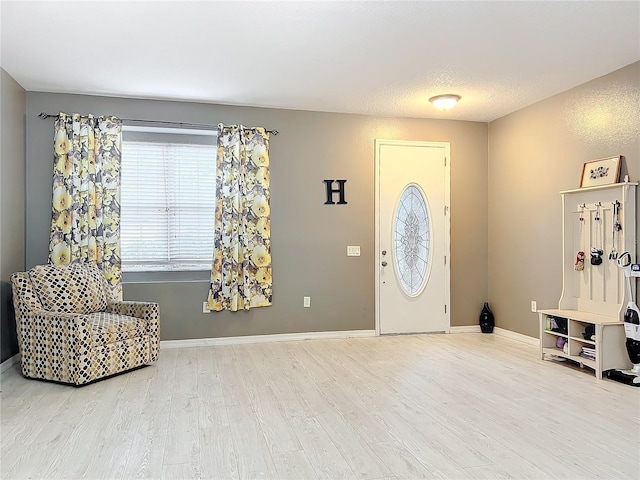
201,126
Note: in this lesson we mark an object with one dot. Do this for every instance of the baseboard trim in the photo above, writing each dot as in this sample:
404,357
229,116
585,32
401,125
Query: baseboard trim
516,336
281,337
465,329
498,331
9,362
293,337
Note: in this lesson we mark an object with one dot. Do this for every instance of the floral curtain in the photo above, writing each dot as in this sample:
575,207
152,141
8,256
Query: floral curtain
85,220
241,271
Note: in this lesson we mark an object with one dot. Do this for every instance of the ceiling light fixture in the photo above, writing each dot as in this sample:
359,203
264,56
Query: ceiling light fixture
445,102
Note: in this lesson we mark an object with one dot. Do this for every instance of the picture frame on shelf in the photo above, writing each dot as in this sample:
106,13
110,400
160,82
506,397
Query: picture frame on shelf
604,171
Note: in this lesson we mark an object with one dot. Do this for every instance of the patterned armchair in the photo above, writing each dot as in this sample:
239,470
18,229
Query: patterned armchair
70,330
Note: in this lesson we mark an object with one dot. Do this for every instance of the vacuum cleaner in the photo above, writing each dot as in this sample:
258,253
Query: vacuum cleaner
631,327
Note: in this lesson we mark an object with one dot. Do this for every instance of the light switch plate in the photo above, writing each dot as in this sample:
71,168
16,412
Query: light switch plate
353,251
306,302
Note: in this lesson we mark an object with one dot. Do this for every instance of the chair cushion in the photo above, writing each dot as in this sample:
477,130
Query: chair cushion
108,328
75,288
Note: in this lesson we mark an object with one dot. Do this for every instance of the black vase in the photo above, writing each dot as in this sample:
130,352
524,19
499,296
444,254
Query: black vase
487,321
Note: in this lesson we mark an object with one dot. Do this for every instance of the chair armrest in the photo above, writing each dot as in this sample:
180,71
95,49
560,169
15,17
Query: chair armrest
61,356
144,310
60,323
147,311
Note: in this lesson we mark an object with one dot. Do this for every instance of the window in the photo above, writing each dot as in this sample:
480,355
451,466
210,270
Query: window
167,201
412,240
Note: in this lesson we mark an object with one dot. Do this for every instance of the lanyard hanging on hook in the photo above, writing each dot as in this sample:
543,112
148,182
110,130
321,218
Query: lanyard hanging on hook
616,227
596,251
579,265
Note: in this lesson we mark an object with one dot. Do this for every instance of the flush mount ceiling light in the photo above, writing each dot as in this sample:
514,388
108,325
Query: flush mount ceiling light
444,102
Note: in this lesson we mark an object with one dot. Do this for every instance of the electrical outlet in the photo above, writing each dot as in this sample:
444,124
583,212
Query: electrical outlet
306,302
205,309
534,306
353,251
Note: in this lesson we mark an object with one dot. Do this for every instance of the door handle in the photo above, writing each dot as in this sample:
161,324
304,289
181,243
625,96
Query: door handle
384,264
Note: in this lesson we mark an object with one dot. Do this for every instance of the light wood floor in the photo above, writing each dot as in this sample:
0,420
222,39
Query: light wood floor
424,406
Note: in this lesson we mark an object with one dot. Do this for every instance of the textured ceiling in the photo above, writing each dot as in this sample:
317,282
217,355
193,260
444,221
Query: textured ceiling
377,58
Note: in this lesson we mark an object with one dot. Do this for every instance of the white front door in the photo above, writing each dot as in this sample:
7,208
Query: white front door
412,237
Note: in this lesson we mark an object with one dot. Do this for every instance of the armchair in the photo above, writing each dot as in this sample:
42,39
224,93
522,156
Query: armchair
71,330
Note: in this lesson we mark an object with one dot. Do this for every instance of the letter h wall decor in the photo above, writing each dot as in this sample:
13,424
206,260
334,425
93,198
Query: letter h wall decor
331,190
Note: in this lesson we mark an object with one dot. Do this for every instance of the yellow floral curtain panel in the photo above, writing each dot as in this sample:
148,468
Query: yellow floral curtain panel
85,220
241,273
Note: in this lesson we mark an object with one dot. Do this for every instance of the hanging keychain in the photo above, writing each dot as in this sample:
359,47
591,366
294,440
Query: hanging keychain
579,265
596,253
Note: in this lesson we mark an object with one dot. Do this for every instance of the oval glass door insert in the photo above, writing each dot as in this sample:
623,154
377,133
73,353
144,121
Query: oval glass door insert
412,240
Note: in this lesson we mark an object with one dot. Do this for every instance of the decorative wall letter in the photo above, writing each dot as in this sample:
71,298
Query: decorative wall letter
339,190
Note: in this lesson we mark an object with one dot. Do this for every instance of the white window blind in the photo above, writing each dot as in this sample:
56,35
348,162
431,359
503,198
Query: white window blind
167,206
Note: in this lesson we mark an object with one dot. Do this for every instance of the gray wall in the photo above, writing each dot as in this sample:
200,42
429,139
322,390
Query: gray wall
533,154
12,193
505,239
309,239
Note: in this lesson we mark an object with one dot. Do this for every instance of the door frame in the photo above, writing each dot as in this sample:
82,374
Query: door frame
447,221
